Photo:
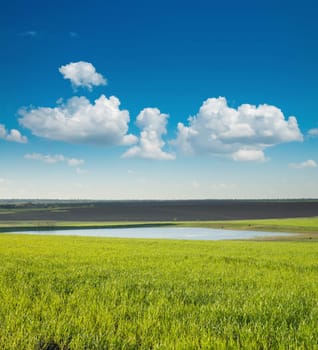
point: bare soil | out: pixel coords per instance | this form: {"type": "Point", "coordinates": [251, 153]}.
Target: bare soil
{"type": "Point", "coordinates": [186, 210]}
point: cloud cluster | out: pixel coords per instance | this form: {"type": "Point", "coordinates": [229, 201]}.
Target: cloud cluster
{"type": "Point", "coordinates": [13, 135]}
{"type": "Point", "coordinates": [153, 126]}
{"type": "Point", "coordinates": [52, 159]}
{"type": "Point", "coordinates": [306, 164]}
{"type": "Point", "coordinates": [82, 74]}
{"type": "Point", "coordinates": [79, 121]}
{"type": "Point", "coordinates": [243, 133]}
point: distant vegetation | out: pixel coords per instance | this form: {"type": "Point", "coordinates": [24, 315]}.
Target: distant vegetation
{"type": "Point", "coordinates": [90, 293]}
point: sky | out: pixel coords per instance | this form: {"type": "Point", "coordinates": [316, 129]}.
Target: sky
{"type": "Point", "coordinates": [161, 99]}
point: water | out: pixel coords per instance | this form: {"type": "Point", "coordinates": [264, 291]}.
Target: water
{"type": "Point", "coordinates": [183, 233]}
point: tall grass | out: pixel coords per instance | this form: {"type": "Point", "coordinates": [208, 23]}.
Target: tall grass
{"type": "Point", "coordinates": [92, 293]}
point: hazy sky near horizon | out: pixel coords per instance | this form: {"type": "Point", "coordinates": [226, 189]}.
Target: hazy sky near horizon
{"type": "Point", "coordinates": [158, 99]}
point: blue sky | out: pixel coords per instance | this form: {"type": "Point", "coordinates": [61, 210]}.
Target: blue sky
{"type": "Point", "coordinates": [244, 72]}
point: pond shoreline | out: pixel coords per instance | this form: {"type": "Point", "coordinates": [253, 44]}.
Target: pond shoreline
{"type": "Point", "coordinates": [303, 228]}
{"type": "Point", "coordinates": [173, 233]}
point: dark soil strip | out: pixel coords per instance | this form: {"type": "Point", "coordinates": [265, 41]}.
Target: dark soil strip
{"type": "Point", "coordinates": [187, 210]}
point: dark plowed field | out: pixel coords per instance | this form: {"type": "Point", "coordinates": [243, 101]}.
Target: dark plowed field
{"type": "Point", "coordinates": [162, 210]}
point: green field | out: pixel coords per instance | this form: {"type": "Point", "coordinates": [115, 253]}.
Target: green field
{"type": "Point", "coordinates": [95, 293]}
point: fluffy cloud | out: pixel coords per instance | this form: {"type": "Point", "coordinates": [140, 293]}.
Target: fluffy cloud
{"type": "Point", "coordinates": [243, 133]}
{"type": "Point", "coordinates": [313, 132]}
{"type": "Point", "coordinates": [249, 155]}
{"type": "Point", "coordinates": [82, 74]}
{"type": "Point", "coordinates": [153, 126]}
{"type": "Point", "coordinates": [56, 158]}
{"type": "Point", "coordinates": [79, 121]}
{"type": "Point", "coordinates": [13, 135]}
{"type": "Point", "coordinates": [306, 164]}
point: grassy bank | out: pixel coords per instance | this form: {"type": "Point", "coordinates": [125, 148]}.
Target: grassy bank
{"type": "Point", "coordinates": [306, 227]}
{"type": "Point", "coordinates": [301, 225]}
{"type": "Point", "coordinates": [90, 293]}
{"type": "Point", "coordinates": [6, 226]}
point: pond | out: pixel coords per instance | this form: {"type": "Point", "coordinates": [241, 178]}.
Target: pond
{"type": "Point", "coordinates": [184, 233]}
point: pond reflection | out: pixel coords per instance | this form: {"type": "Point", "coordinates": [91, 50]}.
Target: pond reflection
{"type": "Point", "coordinates": [183, 233]}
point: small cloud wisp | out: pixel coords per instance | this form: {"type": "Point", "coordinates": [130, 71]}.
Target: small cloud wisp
{"type": "Point", "coordinates": [56, 158]}
{"type": "Point", "coordinates": [13, 135]}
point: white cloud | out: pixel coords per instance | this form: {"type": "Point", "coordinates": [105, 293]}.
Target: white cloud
{"type": "Point", "coordinates": [306, 164]}
{"type": "Point", "coordinates": [3, 132]}
{"type": "Point", "coordinates": [13, 135]}
{"type": "Point", "coordinates": [80, 171]}
{"type": "Point", "coordinates": [222, 186]}
{"type": "Point", "coordinates": [79, 121]}
{"type": "Point", "coordinates": [29, 33]}
{"type": "Point", "coordinates": [313, 132]}
{"type": "Point", "coordinates": [153, 126]}
{"type": "Point", "coordinates": [249, 155]}
{"type": "Point", "coordinates": [74, 161]}
{"type": "Point", "coordinates": [242, 133]}
{"type": "Point", "coordinates": [82, 74]}
{"type": "Point", "coordinates": [195, 184]}
{"type": "Point", "coordinates": [52, 159]}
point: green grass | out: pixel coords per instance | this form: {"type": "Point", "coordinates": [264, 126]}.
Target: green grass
{"type": "Point", "coordinates": [20, 225]}
{"type": "Point", "coordinates": [93, 293]}
{"type": "Point", "coordinates": [290, 225]}
{"type": "Point", "coordinates": [306, 227]}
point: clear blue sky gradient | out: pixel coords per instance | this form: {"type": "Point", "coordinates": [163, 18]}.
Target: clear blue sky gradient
{"type": "Point", "coordinates": [171, 55]}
